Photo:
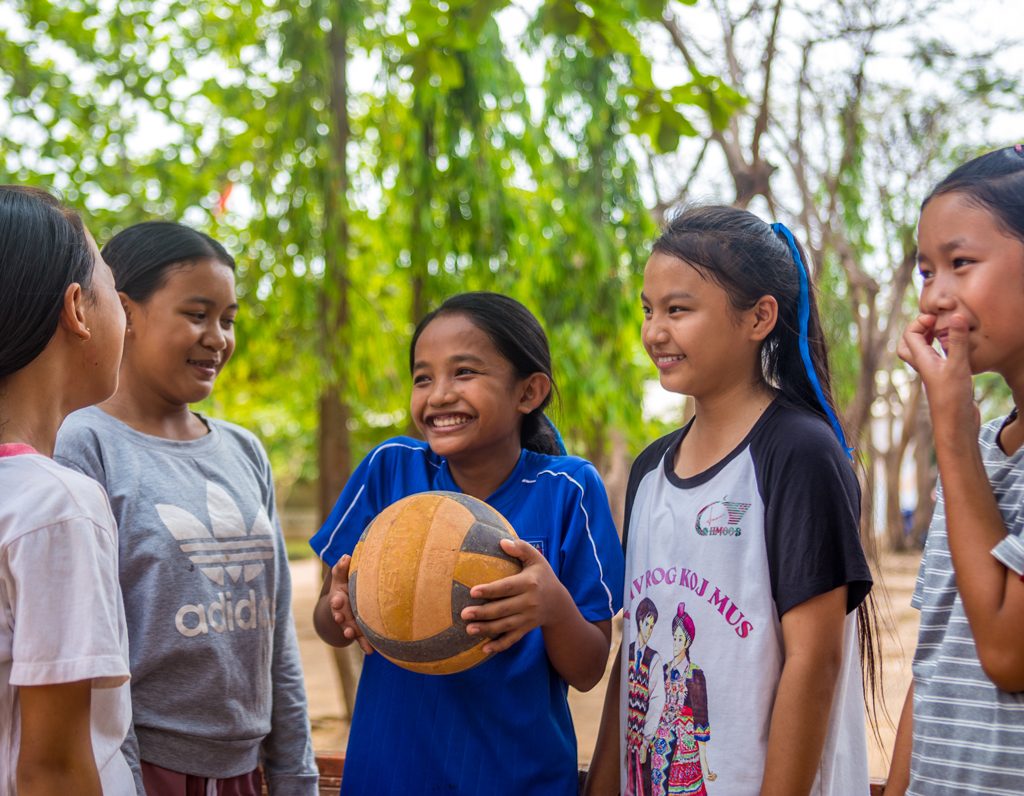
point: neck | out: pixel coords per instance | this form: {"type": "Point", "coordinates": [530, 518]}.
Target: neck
{"type": "Point", "coordinates": [720, 423]}
{"type": "Point", "coordinates": [32, 407]}
{"type": "Point", "coordinates": [480, 477]}
{"type": "Point", "coordinates": [150, 413]}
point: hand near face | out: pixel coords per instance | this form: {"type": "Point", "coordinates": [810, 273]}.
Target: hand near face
{"type": "Point", "coordinates": [516, 604]}
{"type": "Point", "coordinates": [946, 379]}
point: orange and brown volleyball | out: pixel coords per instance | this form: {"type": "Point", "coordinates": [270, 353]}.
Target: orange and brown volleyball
{"type": "Point", "coordinates": [411, 574]}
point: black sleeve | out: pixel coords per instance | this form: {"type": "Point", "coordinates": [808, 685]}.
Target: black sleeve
{"type": "Point", "coordinates": [650, 458]}
{"type": "Point", "coordinates": [812, 512]}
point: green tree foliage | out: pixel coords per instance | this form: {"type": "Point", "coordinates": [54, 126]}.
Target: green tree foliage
{"type": "Point", "coordinates": [364, 159]}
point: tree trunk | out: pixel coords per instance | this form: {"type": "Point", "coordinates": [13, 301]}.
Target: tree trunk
{"type": "Point", "coordinates": [334, 448]}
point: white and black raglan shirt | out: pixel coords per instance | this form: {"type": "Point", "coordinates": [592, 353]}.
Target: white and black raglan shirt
{"type": "Point", "coordinates": [717, 559]}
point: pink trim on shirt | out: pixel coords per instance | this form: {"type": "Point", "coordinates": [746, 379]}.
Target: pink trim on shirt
{"type": "Point", "coordinates": [15, 449]}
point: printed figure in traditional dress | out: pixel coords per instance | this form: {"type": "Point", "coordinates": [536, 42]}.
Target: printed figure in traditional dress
{"type": "Point", "coordinates": [680, 764]}
{"type": "Point", "coordinates": [645, 698]}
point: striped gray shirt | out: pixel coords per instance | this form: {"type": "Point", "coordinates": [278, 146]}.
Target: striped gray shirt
{"type": "Point", "coordinates": [968, 734]}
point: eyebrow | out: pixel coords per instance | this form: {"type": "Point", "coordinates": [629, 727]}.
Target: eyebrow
{"type": "Point", "coordinates": [681, 295]}
{"type": "Point", "coordinates": [950, 245]}
{"type": "Point", "coordinates": [455, 359]}
{"type": "Point", "coordinates": [206, 302]}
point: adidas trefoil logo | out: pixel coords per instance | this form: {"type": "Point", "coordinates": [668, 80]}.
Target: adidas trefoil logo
{"type": "Point", "coordinates": [225, 551]}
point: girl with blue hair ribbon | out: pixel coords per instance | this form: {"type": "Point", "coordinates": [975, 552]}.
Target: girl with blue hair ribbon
{"type": "Point", "coordinates": [750, 515]}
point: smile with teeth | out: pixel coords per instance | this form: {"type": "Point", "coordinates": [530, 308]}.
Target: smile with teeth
{"type": "Point", "coordinates": [664, 360]}
{"type": "Point", "coordinates": [204, 364]}
{"type": "Point", "coordinates": [449, 421]}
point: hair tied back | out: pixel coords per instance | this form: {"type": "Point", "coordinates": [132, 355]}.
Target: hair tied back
{"type": "Point", "coordinates": [804, 312]}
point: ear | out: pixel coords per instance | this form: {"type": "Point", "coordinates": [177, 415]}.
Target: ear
{"type": "Point", "coordinates": [72, 313]}
{"type": "Point", "coordinates": [126, 305]}
{"type": "Point", "coordinates": [532, 392]}
{"type": "Point", "coordinates": [762, 317]}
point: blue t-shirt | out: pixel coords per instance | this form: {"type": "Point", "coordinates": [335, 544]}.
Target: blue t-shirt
{"type": "Point", "coordinates": [502, 727]}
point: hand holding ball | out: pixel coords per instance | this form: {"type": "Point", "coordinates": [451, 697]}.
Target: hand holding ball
{"type": "Point", "coordinates": [411, 574]}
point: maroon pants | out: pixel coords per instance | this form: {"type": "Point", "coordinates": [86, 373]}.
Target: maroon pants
{"type": "Point", "coordinates": [162, 782]}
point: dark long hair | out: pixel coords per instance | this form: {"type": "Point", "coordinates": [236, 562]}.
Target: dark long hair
{"type": "Point", "coordinates": [519, 338]}
{"type": "Point", "coordinates": [143, 255]}
{"type": "Point", "coordinates": [993, 181]}
{"type": "Point", "coordinates": [742, 254]}
{"type": "Point", "coordinates": [746, 258]}
{"type": "Point", "coordinates": [43, 250]}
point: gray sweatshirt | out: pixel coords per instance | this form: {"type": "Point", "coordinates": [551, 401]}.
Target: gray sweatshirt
{"type": "Point", "coordinates": [216, 683]}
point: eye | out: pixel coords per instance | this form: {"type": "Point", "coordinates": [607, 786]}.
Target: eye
{"type": "Point", "coordinates": [647, 311]}
{"type": "Point", "coordinates": [420, 379]}
{"type": "Point", "coordinates": [675, 309]}
{"type": "Point", "coordinates": [924, 273]}
{"type": "Point", "coordinates": [227, 323]}
{"type": "Point", "coordinates": [198, 316]}
{"type": "Point", "coordinates": [465, 372]}
{"type": "Point", "coordinates": [959, 262]}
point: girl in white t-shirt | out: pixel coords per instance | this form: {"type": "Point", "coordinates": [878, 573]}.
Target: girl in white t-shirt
{"type": "Point", "coordinates": [739, 669]}
{"type": "Point", "coordinates": [64, 703]}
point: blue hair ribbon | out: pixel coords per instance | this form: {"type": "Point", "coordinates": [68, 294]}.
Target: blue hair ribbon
{"type": "Point", "coordinates": [804, 314]}
{"type": "Point", "coordinates": [558, 436]}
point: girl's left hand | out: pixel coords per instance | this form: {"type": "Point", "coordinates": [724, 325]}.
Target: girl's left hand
{"type": "Point", "coordinates": [516, 604]}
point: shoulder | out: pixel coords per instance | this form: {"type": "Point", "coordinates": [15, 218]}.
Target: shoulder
{"type": "Point", "coordinates": [568, 466]}
{"type": "Point", "coordinates": [82, 428]}
{"type": "Point", "coordinates": [238, 436]}
{"type": "Point", "coordinates": [651, 456]}
{"type": "Point", "coordinates": [796, 437]}
{"type": "Point", "coordinates": [49, 493]}
{"type": "Point", "coordinates": [399, 452]}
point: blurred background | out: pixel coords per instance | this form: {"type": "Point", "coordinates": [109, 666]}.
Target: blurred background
{"type": "Point", "coordinates": [364, 159]}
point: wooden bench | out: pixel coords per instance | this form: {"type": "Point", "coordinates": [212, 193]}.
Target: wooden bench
{"type": "Point", "coordinates": [331, 767]}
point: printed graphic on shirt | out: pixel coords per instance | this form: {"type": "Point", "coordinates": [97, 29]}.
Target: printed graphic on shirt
{"type": "Point", "coordinates": [226, 554]}
{"type": "Point", "coordinates": [667, 726]}
{"type": "Point", "coordinates": [721, 518]}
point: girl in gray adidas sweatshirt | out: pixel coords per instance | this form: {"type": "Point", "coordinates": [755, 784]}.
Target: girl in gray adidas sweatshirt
{"type": "Point", "coordinates": [217, 687]}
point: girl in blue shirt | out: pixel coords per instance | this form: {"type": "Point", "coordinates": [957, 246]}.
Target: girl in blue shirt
{"type": "Point", "coordinates": [481, 373]}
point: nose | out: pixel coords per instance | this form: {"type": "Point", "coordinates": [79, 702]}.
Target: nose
{"type": "Point", "coordinates": [442, 392]}
{"type": "Point", "coordinates": [652, 331]}
{"type": "Point", "coordinates": [938, 294]}
{"type": "Point", "coordinates": [215, 337]}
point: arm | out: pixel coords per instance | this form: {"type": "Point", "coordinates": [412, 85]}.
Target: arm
{"type": "Point", "coordinates": [992, 593]}
{"type": "Point", "coordinates": [578, 649]}
{"type": "Point", "coordinates": [812, 636]}
{"type": "Point", "coordinates": [603, 777]}
{"type": "Point", "coordinates": [899, 769]}
{"type": "Point", "coordinates": [55, 755]}
{"type": "Point", "coordinates": [287, 751]}
{"type": "Point", "coordinates": [332, 615]}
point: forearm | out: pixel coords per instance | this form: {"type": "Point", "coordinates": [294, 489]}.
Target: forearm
{"type": "Point", "coordinates": [58, 778]}
{"type": "Point", "coordinates": [603, 777]}
{"type": "Point", "coordinates": [899, 770]}
{"type": "Point", "coordinates": [975, 526]}
{"type": "Point", "coordinates": [799, 723]}
{"type": "Point", "coordinates": [578, 649]}
{"type": "Point", "coordinates": [55, 755]}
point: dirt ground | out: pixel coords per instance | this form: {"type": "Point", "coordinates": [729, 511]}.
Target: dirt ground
{"type": "Point", "coordinates": [897, 640]}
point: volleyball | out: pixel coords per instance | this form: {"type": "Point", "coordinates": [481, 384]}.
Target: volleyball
{"type": "Point", "coordinates": [411, 574]}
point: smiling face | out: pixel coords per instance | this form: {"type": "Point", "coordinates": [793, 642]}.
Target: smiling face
{"type": "Point", "coordinates": [180, 338]}
{"type": "Point", "coordinates": [972, 267]}
{"type": "Point", "coordinates": [467, 400]}
{"type": "Point", "coordinates": [692, 333]}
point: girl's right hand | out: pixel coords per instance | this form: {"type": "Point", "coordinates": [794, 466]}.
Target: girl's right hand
{"type": "Point", "coordinates": [341, 605]}
{"type": "Point", "coordinates": [946, 379]}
